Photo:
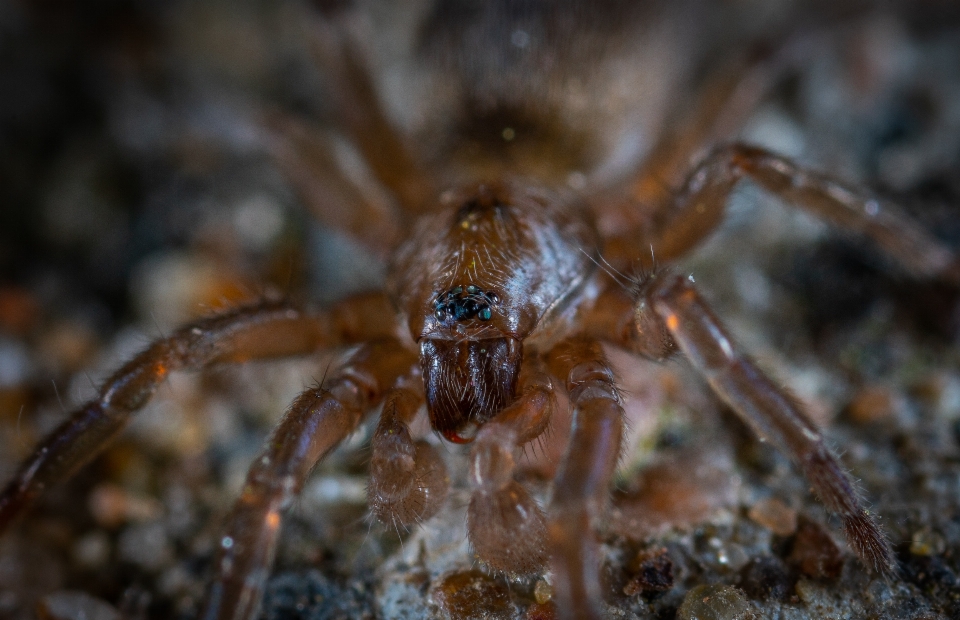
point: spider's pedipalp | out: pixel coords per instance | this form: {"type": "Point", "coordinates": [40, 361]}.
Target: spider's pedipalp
{"type": "Point", "coordinates": [408, 479]}
{"type": "Point", "coordinates": [506, 527]}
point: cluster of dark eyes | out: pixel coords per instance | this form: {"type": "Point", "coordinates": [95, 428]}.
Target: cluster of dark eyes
{"type": "Point", "coordinates": [463, 303]}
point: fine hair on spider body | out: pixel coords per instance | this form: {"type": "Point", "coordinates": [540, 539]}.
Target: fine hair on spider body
{"type": "Point", "coordinates": [502, 291]}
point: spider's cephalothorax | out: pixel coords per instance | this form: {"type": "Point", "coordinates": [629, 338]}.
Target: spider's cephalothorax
{"type": "Point", "coordinates": [484, 291]}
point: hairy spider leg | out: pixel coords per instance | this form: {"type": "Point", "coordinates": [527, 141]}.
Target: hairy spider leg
{"type": "Point", "coordinates": [769, 410]}
{"type": "Point", "coordinates": [506, 526]}
{"type": "Point", "coordinates": [620, 318]}
{"type": "Point", "coordinates": [671, 221]}
{"type": "Point", "coordinates": [408, 478]}
{"type": "Point", "coordinates": [305, 155]}
{"type": "Point", "coordinates": [581, 487]}
{"type": "Point", "coordinates": [257, 332]}
{"type": "Point", "coordinates": [363, 119]}
{"type": "Point", "coordinates": [701, 203]}
{"type": "Point", "coordinates": [317, 421]}
{"type": "Point", "coordinates": [262, 331]}
{"type": "Point", "coordinates": [720, 108]}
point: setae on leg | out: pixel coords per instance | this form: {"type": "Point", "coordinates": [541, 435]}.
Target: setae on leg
{"type": "Point", "coordinates": [582, 485]}
{"type": "Point", "coordinates": [316, 422]}
{"type": "Point", "coordinates": [256, 332]}
{"type": "Point", "coordinates": [768, 409]}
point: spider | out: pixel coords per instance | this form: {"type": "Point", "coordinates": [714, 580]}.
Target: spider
{"type": "Point", "coordinates": [497, 302]}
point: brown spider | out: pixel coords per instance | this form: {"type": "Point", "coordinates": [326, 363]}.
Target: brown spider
{"type": "Point", "coordinates": [496, 303]}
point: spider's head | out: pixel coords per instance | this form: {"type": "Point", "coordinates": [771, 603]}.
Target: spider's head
{"type": "Point", "coordinates": [493, 265]}
{"type": "Point", "coordinates": [470, 367]}
{"type": "Point", "coordinates": [468, 381]}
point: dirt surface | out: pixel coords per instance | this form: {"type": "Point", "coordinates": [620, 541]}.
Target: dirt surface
{"type": "Point", "coordinates": [135, 195]}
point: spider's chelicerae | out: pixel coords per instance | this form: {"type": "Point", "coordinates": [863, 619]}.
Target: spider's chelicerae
{"type": "Point", "coordinates": [522, 181]}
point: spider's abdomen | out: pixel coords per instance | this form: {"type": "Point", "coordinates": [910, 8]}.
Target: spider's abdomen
{"type": "Point", "coordinates": [494, 266]}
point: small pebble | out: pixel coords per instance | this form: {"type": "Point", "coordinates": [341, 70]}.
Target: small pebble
{"type": "Point", "coordinates": [735, 556]}
{"type": "Point", "coordinates": [653, 572]}
{"type": "Point", "coordinates": [715, 602]}
{"type": "Point", "coordinates": [92, 550]}
{"type": "Point", "coordinates": [766, 578]}
{"type": "Point", "coordinates": [939, 389]}
{"type": "Point", "coordinates": [774, 515]}
{"type": "Point", "coordinates": [67, 345]}
{"type": "Point", "coordinates": [69, 605]}
{"type": "Point", "coordinates": [880, 591]}
{"type": "Point", "coordinates": [809, 592]}
{"type": "Point", "coordinates": [814, 551]}
{"type": "Point", "coordinates": [472, 594]}
{"type": "Point", "coordinates": [19, 310]}
{"type": "Point", "coordinates": [675, 493]}
{"type": "Point", "coordinates": [927, 542]}
{"type": "Point", "coordinates": [542, 592]}
{"type": "Point", "coordinates": [175, 580]}
{"type": "Point", "coordinates": [146, 545]}
{"type": "Point", "coordinates": [872, 403]}
{"type": "Point", "coordinates": [930, 573]}
{"type": "Point", "coordinates": [310, 596]}
{"type": "Point", "coordinates": [112, 505]}
{"type": "Point", "coordinates": [15, 366]}
{"type": "Point", "coordinates": [541, 611]}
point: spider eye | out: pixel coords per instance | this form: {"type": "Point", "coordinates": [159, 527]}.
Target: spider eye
{"type": "Point", "coordinates": [463, 303]}
{"type": "Point", "coordinates": [465, 309]}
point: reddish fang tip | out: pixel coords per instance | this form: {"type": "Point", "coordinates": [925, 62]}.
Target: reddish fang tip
{"type": "Point", "coordinates": [453, 437]}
